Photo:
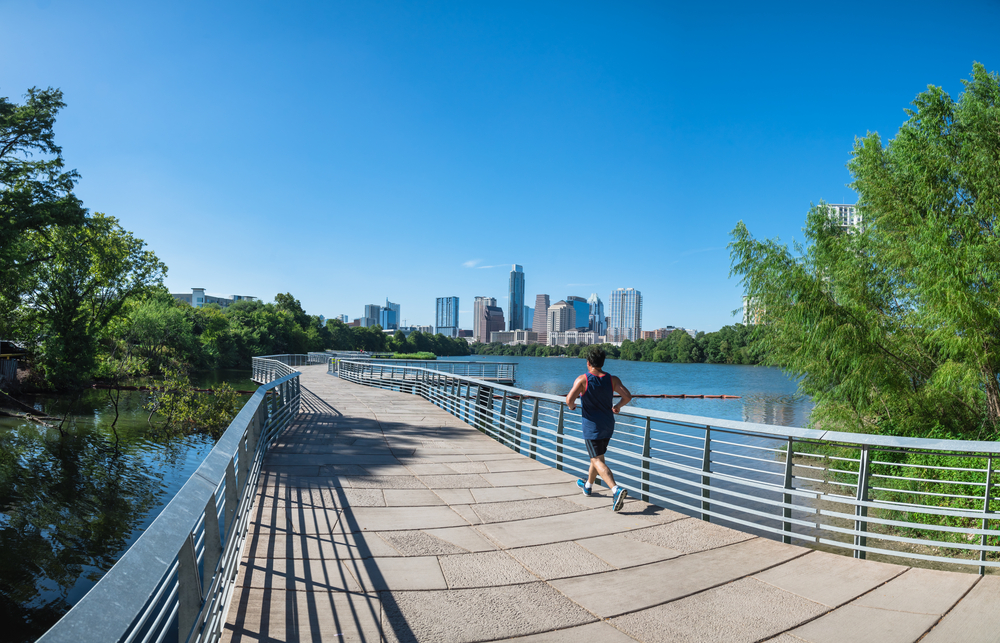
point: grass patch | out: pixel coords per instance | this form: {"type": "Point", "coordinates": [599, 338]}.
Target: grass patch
{"type": "Point", "coordinates": [420, 355]}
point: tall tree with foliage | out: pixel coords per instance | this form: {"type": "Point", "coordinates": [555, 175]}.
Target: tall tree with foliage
{"type": "Point", "coordinates": [95, 269]}
{"type": "Point", "coordinates": [36, 191]}
{"type": "Point", "coordinates": [895, 327]}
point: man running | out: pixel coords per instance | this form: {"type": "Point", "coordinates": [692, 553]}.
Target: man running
{"type": "Point", "coordinates": [596, 390]}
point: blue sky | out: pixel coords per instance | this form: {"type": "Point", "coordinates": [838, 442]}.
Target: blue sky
{"type": "Point", "coordinates": [350, 152]}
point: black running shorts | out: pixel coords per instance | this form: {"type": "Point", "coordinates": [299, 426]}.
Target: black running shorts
{"type": "Point", "coordinates": [597, 448]}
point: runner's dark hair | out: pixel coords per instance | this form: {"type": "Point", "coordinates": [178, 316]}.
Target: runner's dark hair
{"type": "Point", "coordinates": [596, 357]}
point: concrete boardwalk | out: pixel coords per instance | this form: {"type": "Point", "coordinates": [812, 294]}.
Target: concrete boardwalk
{"type": "Point", "coordinates": [381, 517]}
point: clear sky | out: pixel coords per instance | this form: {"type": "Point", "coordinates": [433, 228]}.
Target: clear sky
{"type": "Point", "coordinates": [347, 152]}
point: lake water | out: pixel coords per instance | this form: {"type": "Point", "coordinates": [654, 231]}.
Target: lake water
{"type": "Point", "coordinates": [767, 395]}
{"type": "Point", "coordinates": [71, 504]}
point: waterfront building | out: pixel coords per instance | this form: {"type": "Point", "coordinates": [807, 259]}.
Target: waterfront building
{"type": "Point", "coordinates": [446, 317]}
{"type": "Point", "coordinates": [846, 216]}
{"type": "Point", "coordinates": [373, 313]}
{"type": "Point", "coordinates": [426, 330]}
{"type": "Point", "coordinates": [753, 313]}
{"type": "Point", "coordinates": [529, 318]}
{"type": "Point", "coordinates": [566, 338]}
{"type": "Point", "coordinates": [625, 320]}
{"type": "Point", "coordinates": [465, 334]}
{"type": "Point", "coordinates": [479, 305]}
{"type": "Point", "coordinates": [540, 321]}
{"type": "Point", "coordinates": [596, 321]}
{"type": "Point", "coordinates": [389, 316]}
{"type": "Point", "coordinates": [343, 318]}
{"type": "Point", "coordinates": [514, 337]}
{"type": "Point", "coordinates": [198, 298]}
{"type": "Point", "coordinates": [493, 320]}
{"type": "Point", "coordinates": [582, 310]}
{"type": "Point", "coordinates": [561, 317]}
{"type": "Point", "coordinates": [515, 299]}
{"type": "Point", "coordinates": [659, 333]}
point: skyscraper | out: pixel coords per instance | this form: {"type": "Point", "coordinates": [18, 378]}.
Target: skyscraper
{"type": "Point", "coordinates": [561, 317]}
{"type": "Point", "coordinates": [372, 314]}
{"type": "Point", "coordinates": [625, 320]}
{"type": "Point", "coordinates": [582, 309]}
{"type": "Point", "coordinates": [446, 319]}
{"type": "Point", "coordinates": [389, 316]}
{"type": "Point", "coordinates": [479, 318]}
{"type": "Point", "coordinates": [541, 319]}
{"type": "Point", "coordinates": [493, 321]}
{"type": "Point", "coordinates": [515, 299]}
{"type": "Point", "coordinates": [596, 316]}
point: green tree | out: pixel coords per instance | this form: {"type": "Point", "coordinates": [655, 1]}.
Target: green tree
{"type": "Point", "coordinates": [36, 192]}
{"type": "Point", "coordinates": [94, 270]}
{"type": "Point", "coordinates": [895, 327]}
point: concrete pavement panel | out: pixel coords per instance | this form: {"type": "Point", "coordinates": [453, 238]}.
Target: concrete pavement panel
{"type": "Point", "coordinates": [465, 537]}
{"type": "Point", "coordinates": [502, 494]}
{"type": "Point", "coordinates": [621, 552]}
{"type": "Point", "coordinates": [455, 481]}
{"type": "Point", "coordinates": [559, 560]}
{"type": "Point", "coordinates": [488, 614]}
{"type": "Point", "coordinates": [549, 529]}
{"type": "Point", "coordinates": [410, 497]}
{"type": "Point", "coordinates": [627, 590]}
{"type": "Point", "coordinates": [401, 573]}
{"type": "Point", "coordinates": [926, 591]}
{"type": "Point", "coordinates": [976, 619]}
{"type": "Point", "coordinates": [744, 611]}
{"type": "Point", "coordinates": [527, 478]}
{"type": "Point", "coordinates": [688, 535]}
{"type": "Point", "coordinates": [281, 616]}
{"type": "Point", "coordinates": [599, 631]}
{"type": "Point", "coordinates": [420, 543]}
{"type": "Point", "coordinates": [844, 578]}
{"type": "Point", "coordinates": [865, 625]}
{"type": "Point", "coordinates": [523, 509]}
{"type": "Point", "coordinates": [399, 518]}
{"type": "Point", "coordinates": [300, 574]}
{"type": "Point", "coordinates": [484, 569]}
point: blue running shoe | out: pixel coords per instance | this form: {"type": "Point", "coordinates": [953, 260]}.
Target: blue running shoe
{"type": "Point", "coordinates": [619, 499]}
{"type": "Point", "coordinates": [583, 485]}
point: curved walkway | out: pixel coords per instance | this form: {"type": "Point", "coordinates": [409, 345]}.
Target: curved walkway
{"type": "Point", "coordinates": [383, 518]}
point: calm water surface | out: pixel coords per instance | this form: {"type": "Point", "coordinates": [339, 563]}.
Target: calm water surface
{"type": "Point", "coordinates": [72, 503]}
{"type": "Point", "coordinates": [767, 395]}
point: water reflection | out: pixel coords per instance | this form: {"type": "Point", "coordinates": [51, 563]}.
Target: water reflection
{"type": "Point", "coordinates": [72, 502]}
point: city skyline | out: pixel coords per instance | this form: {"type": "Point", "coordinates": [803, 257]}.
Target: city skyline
{"type": "Point", "coordinates": [601, 141]}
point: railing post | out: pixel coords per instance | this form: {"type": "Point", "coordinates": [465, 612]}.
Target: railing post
{"type": "Point", "coordinates": [517, 424]}
{"type": "Point", "coordinates": [502, 433]}
{"type": "Point", "coordinates": [706, 481]}
{"type": "Point", "coordinates": [647, 439]}
{"type": "Point", "coordinates": [533, 452]}
{"type": "Point", "coordinates": [986, 512]}
{"type": "Point", "coordinates": [484, 410]}
{"type": "Point", "coordinates": [231, 500]}
{"type": "Point", "coordinates": [213, 544]}
{"type": "Point", "coordinates": [860, 511]}
{"type": "Point", "coordinates": [786, 511]}
{"type": "Point", "coordinates": [188, 590]}
{"type": "Point", "coordinates": [559, 437]}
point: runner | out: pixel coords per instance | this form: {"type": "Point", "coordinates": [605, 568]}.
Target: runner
{"type": "Point", "coordinates": [596, 390]}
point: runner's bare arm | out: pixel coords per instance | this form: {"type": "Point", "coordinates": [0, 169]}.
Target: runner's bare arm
{"type": "Point", "coordinates": [578, 387]}
{"type": "Point", "coordinates": [620, 390]}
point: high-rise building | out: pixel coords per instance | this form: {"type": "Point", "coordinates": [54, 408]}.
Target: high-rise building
{"type": "Point", "coordinates": [529, 317]}
{"type": "Point", "coordinates": [492, 321]}
{"type": "Point", "coordinates": [540, 320]}
{"type": "Point", "coordinates": [582, 310]}
{"type": "Point", "coordinates": [373, 313]}
{"type": "Point", "coordinates": [389, 316]}
{"type": "Point", "coordinates": [561, 317]}
{"type": "Point", "coordinates": [515, 298]}
{"type": "Point", "coordinates": [479, 332]}
{"type": "Point", "coordinates": [596, 315]}
{"type": "Point", "coordinates": [846, 216]}
{"type": "Point", "coordinates": [446, 319]}
{"type": "Point", "coordinates": [625, 320]}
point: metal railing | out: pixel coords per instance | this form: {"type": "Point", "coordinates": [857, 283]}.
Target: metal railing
{"type": "Point", "coordinates": [921, 499]}
{"type": "Point", "coordinates": [497, 371]}
{"type": "Point", "coordinates": [176, 581]}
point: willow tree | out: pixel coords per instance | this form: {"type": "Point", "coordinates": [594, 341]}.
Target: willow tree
{"type": "Point", "coordinates": [894, 326]}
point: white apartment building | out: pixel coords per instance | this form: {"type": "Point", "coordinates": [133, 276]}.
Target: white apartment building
{"type": "Point", "coordinates": [847, 216]}
{"type": "Point", "coordinates": [514, 337]}
{"type": "Point", "coordinates": [625, 320]}
{"type": "Point", "coordinates": [198, 298]}
{"type": "Point", "coordinates": [566, 338]}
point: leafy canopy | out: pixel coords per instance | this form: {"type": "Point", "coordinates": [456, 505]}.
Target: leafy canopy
{"type": "Point", "coordinates": [895, 327]}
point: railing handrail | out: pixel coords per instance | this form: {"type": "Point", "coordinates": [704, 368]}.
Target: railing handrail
{"type": "Point", "coordinates": [157, 581]}
{"type": "Point", "coordinates": [823, 487]}
{"type": "Point", "coordinates": [923, 444]}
